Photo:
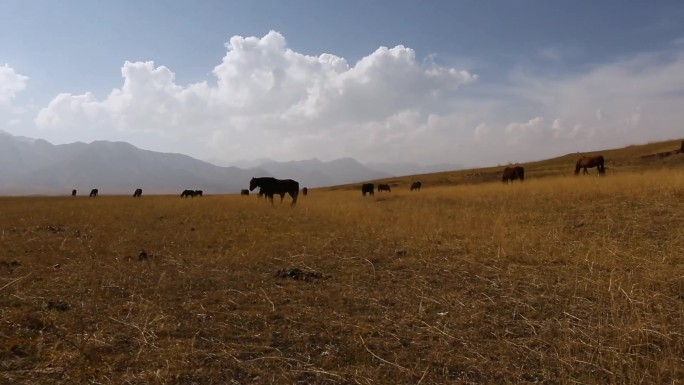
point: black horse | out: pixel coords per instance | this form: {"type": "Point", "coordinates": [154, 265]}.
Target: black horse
{"type": "Point", "coordinates": [305, 191]}
{"type": "Point", "coordinates": [73, 193]}
{"type": "Point", "coordinates": [93, 193]}
{"type": "Point", "coordinates": [271, 186]}
{"type": "Point", "coordinates": [589, 162]}
{"type": "Point", "coordinates": [384, 187]}
{"type": "Point", "coordinates": [416, 186]}
{"type": "Point", "coordinates": [188, 193]}
{"type": "Point", "coordinates": [244, 192]}
{"type": "Point", "coordinates": [368, 188]}
{"type": "Point", "coordinates": [513, 173]}
{"type": "Point", "coordinates": [137, 193]}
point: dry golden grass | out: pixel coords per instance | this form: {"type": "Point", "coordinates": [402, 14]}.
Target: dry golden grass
{"type": "Point", "coordinates": [559, 280]}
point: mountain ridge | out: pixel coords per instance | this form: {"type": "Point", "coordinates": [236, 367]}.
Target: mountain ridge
{"type": "Point", "coordinates": [31, 166]}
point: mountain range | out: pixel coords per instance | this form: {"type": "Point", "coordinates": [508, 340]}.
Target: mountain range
{"type": "Point", "coordinates": [37, 167]}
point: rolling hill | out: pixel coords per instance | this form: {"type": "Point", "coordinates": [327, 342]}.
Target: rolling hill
{"type": "Point", "coordinates": [642, 157]}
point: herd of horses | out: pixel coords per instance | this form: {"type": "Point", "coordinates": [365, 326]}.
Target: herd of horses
{"type": "Point", "coordinates": [369, 188]}
{"type": "Point", "coordinates": [269, 186]}
{"type": "Point", "coordinates": [584, 163]}
{"type": "Point", "coordinates": [190, 193]}
{"type": "Point", "coordinates": [510, 174]}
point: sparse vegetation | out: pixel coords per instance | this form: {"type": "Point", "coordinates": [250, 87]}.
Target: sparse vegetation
{"type": "Point", "coordinates": [557, 280]}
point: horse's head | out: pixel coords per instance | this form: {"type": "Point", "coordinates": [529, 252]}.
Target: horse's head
{"type": "Point", "coordinates": [253, 184]}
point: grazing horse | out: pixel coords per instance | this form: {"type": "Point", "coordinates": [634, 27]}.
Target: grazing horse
{"type": "Point", "coordinates": [137, 193]}
{"type": "Point", "coordinates": [384, 187]}
{"type": "Point", "coordinates": [513, 173]}
{"type": "Point", "coordinates": [244, 192]}
{"type": "Point", "coordinates": [305, 191]}
{"type": "Point", "coordinates": [589, 162]}
{"type": "Point", "coordinates": [188, 193]}
{"type": "Point", "coordinates": [93, 192]}
{"type": "Point", "coordinates": [368, 188]}
{"type": "Point", "coordinates": [198, 193]}
{"type": "Point", "coordinates": [416, 186]}
{"type": "Point", "coordinates": [271, 186]}
{"type": "Point", "coordinates": [73, 193]}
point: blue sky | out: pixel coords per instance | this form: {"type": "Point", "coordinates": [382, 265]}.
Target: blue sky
{"type": "Point", "coordinates": [469, 82]}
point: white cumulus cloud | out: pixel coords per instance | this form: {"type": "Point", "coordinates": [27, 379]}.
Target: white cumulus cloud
{"type": "Point", "coordinates": [268, 100]}
{"type": "Point", "coordinates": [10, 83]}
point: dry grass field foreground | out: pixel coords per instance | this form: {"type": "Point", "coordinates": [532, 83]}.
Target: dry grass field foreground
{"type": "Point", "coordinates": [561, 280]}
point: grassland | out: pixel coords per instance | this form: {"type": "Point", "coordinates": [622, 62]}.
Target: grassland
{"type": "Point", "coordinates": [558, 280]}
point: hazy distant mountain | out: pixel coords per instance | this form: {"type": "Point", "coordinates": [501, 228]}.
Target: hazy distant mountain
{"type": "Point", "coordinates": [315, 173]}
{"type": "Point", "coordinates": [37, 167]}
{"type": "Point", "coordinates": [253, 163]}
{"type": "Point", "coordinates": [400, 169]}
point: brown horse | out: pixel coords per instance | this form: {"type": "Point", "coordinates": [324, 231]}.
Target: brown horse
{"type": "Point", "coordinates": [589, 162]}
{"type": "Point", "coordinates": [513, 173]}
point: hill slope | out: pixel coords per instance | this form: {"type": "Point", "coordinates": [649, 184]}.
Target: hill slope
{"type": "Point", "coordinates": [666, 154]}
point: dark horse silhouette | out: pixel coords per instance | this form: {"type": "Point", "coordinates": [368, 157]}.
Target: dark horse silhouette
{"type": "Point", "coordinates": [137, 193]}
{"type": "Point", "coordinates": [271, 186]}
{"type": "Point", "coordinates": [73, 193]}
{"type": "Point", "coordinates": [384, 187]}
{"type": "Point", "coordinates": [589, 162]}
{"type": "Point", "coordinates": [305, 191]}
{"type": "Point", "coordinates": [416, 186]}
{"type": "Point", "coordinates": [94, 192]}
{"type": "Point", "coordinates": [513, 173]}
{"type": "Point", "coordinates": [368, 188]}
{"type": "Point", "coordinates": [188, 193]}
{"type": "Point", "coordinates": [244, 192]}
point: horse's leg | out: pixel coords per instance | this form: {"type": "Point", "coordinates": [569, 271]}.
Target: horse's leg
{"type": "Point", "coordinates": [294, 195]}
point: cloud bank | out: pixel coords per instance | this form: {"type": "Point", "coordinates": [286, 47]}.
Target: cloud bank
{"type": "Point", "coordinates": [266, 100]}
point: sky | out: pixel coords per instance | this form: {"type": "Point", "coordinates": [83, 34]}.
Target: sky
{"type": "Point", "coordinates": [467, 82]}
